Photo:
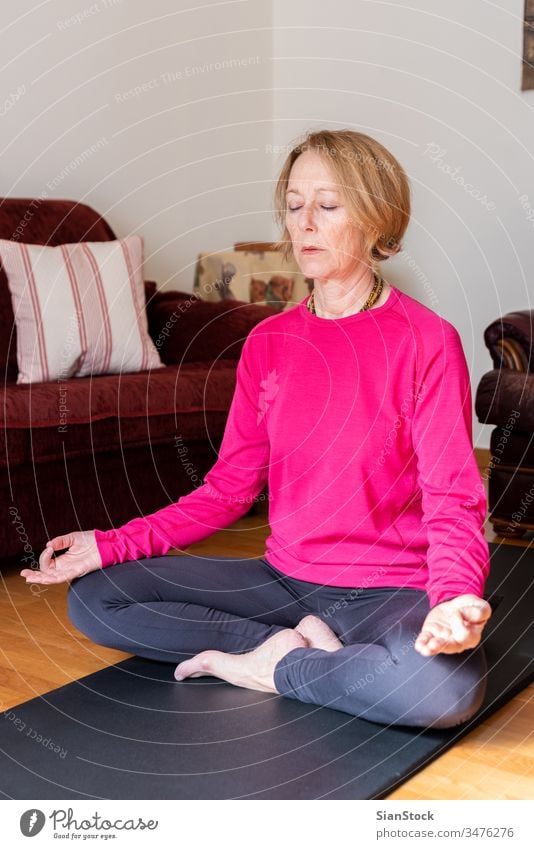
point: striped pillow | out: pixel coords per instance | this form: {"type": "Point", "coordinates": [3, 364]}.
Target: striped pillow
{"type": "Point", "coordinates": [79, 309]}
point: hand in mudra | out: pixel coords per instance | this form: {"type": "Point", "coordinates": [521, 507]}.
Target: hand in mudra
{"type": "Point", "coordinates": [82, 557]}
{"type": "Point", "coordinates": [453, 626]}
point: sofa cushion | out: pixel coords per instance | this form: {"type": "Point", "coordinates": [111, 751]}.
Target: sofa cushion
{"type": "Point", "coordinates": [40, 221]}
{"type": "Point", "coordinates": [79, 308]}
{"type": "Point", "coordinates": [85, 415]}
{"type": "Point", "coordinates": [187, 329]}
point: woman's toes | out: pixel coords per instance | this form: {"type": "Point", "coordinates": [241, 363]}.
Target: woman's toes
{"type": "Point", "coordinates": [318, 634]}
{"type": "Point", "coordinates": [283, 642]}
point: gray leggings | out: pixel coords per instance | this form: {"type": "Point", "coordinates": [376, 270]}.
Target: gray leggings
{"type": "Point", "coordinates": [170, 608]}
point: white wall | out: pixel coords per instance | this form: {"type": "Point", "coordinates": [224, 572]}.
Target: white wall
{"type": "Point", "coordinates": [181, 161]}
{"type": "Point", "coordinates": [187, 160]}
{"type": "Point", "coordinates": [414, 74]}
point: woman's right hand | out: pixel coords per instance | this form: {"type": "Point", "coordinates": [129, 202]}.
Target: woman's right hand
{"type": "Point", "coordinates": [82, 557]}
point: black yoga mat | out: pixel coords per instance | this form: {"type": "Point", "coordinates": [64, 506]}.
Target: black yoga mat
{"type": "Point", "coordinates": [131, 732]}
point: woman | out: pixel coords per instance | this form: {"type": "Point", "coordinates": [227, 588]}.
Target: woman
{"type": "Point", "coordinates": [355, 407]}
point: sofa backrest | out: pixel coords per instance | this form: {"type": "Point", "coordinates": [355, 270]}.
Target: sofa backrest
{"type": "Point", "coordinates": [39, 221]}
{"type": "Point", "coordinates": [187, 329]}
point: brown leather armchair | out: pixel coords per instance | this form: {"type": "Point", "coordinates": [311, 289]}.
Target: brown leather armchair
{"type": "Point", "coordinates": [505, 398]}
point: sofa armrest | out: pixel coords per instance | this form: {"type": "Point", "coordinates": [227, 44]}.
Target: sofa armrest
{"type": "Point", "coordinates": [504, 395]}
{"type": "Point", "coordinates": [185, 328]}
{"type": "Point", "coordinates": [510, 341]}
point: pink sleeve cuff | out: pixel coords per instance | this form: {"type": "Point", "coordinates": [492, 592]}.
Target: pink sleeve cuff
{"type": "Point", "coordinates": [437, 596]}
{"type": "Point", "coordinates": [105, 547]}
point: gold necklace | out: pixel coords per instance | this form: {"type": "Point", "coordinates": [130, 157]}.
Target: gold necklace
{"type": "Point", "coordinates": [376, 291]}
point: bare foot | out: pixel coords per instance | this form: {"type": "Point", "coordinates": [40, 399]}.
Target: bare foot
{"type": "Point", "coordinates": [253, 670]}
{"type": "Point", "coordinates": [318, 634]}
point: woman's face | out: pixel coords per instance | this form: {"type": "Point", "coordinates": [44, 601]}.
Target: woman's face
{"type": "Point", "coordinates": [316, 215]}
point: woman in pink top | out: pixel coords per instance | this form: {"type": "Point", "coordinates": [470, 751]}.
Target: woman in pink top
{"type": "Point", "coordinates": [354, 406]}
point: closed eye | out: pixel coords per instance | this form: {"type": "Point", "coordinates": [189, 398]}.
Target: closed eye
{"type": "Point", "coordinates": [294, 208]}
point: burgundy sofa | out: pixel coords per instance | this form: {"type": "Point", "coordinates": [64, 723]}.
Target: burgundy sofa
{"type": "Point", "coordinates": [133, 443]}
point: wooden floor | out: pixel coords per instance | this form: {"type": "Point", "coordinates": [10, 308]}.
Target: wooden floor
{"type": "Point", "coordinates": [41, 650]}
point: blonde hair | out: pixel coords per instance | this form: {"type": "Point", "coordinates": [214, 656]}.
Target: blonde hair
{"type": "Point", "coordinates": [374, 184]}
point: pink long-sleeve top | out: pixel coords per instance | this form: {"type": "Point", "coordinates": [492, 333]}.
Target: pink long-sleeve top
{"type": "Point", "coordinates": [362, 428]}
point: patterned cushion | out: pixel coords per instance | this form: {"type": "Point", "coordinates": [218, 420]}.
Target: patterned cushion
{"type": "Point", "coordinates": [261, 277]}
{"type": "Point", "coordinates": [79, 308]}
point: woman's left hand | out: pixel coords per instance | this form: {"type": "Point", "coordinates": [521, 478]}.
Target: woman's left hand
{"type": "Point", "coordinates": [453, 626]}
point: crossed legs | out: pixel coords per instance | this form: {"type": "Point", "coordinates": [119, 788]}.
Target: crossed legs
{"type": "Point", "coordinates": [243, 615]}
